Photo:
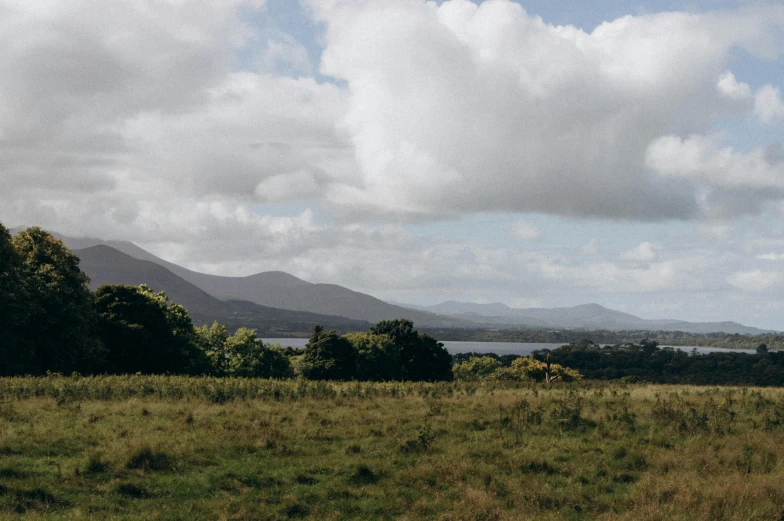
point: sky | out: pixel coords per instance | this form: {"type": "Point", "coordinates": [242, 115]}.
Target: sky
{"type": "Point", "coordinates": [534, 153]}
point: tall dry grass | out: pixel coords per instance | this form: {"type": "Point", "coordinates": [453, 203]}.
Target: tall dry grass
{"type": "Point", "coordinates": [201, 448]}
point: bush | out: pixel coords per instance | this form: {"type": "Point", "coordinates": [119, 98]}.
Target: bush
{"type": "Point", "coordinates": [476, 368]}
{"type": "Point", "coordinates": [329, 357]}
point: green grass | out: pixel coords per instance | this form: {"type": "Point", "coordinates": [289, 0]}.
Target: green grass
{"type": "Point", "coordinates": [201, 448]}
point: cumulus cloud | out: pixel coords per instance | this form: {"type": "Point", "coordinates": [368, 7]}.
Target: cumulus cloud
{"type": "Point", "coordinates": [590, 248]}
{"type": "Point", "coordinates": [737, 182]}
{"type": "Point", "coordinates": [768, 105]}
{"type": "Point", "coordinates": [458, 108]}
{"type": "Point", "coordinates": [644, 252]}
{"type": "Point", "coordinates": [731, 88]}
{"type": "Point", "coordinates": [758, 281]}
{"type": "Point", "coordinates": [770, 256]}
{"type": "Point", "coordinates": [525, 231]}
{"type": "Point", "coordinates": [439, 109]}
{"type": "Point", "coordinates": [175, 123]}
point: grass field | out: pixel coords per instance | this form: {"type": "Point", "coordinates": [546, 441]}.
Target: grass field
{"type": "Point", "coordinates": [199, 448]}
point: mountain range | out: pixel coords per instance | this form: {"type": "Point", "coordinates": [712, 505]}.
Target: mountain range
{"type": "Point", "coordinates": [277, 302]}
{"type": "Point", "coordinates": [585, 316]}
{"type": "Point", "coordinates": [107, 265]}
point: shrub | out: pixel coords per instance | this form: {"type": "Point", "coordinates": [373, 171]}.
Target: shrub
{"type": "Point", "coordinates": [476, 368]}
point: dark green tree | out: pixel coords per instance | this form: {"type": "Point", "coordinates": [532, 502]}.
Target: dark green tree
{"type": "Point", "coordinates": [247, 356]}
{"type": "Point", "coordinates": [59, 321]}
{"type": "Point", "coordinates": [15, 355]}
{"type": "Point", "coordinates": [145, 333]}
{"type": "Point", "coordinates": [422, 357]}
{"type": "Point", "coordinates": [378, 358]}
{"type": "Point", "coordinates": [212, 341]}
{"type": "Point", "coordinates": [329, 357]}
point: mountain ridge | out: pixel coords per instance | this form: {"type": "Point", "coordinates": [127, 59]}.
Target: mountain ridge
{"type": "Point", "coordinates": [106, 265]}
{"type": "Point", "coordinates": [582, 316]}
{"type": "Point", "coordinates": [281, 290]}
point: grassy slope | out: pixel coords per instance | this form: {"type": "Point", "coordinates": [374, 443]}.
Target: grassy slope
{"type": "Point", "coordinates": [179, 448]}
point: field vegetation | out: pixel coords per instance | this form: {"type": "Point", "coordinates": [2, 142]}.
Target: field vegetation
{"type": "Point", "coordinates": [175, 447]}
{"type": "Point", "coordinates": [773, 341]}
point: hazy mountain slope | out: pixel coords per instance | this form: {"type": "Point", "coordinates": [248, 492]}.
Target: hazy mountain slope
{"type": "Point", "coordinates": [277, 289]}
{"type": "Point", "coordinates": [586, 316]}
{"type": "Point", "coordinates": [452, 307]}
{"type": "Point", "coordinates": [106, 265]}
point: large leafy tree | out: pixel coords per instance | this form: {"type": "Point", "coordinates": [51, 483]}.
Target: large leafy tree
{"type": "Point", "coordinates": [15, 354]}
{"type": "Point", "coordinates": [378, 358]}
{"type": "Point", "coordinates": [247, 356]}
{"type": "Point", "coordinates": [145, 333]}
{"type": "Point", "coordinates": [58, 323]}
{"type": "Point", "coordinates": [242, 354]}
{"type": "Point", "coordinates": [212, 341]}
{"type": "Point", "coordinates": [423, 358]}
{"type": "Point", "coordinates": [328, 357]}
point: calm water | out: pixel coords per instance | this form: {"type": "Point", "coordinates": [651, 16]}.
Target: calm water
{"type": "Point", "coordinates": [499, 348]}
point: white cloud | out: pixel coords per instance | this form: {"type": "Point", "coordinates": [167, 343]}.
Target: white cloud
{"type": "Point", "coordinates": [284, 54]}
{"type": "Point", "coordinates": [756, 280]}
{"type": "Point", "coordinates": [700, 157]}
{"type": "Point", "coordinates": [173, 124]}
{"type": "Point", "coordinates": [296, 186]}
{"type": "Point", "coordinates": [770, 256]}
{"type": "Point", "coordinates": [458, 108]}
{"type": "Point", "coordinates": [525, 231]}
{"type": "Point", "coordinates": [716, 232]}
{"type": "Point", "coordinates": [644, 252]}
{"type": "Point", "coordinates": [731, 88]}
{"type": "Point", "coordinates": [590, 248]}
{"type": "Point", "coordinates": [768, 105]}
{"type": "Point", "coordinates": [442, 110]}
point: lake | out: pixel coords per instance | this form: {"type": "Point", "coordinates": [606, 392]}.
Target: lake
{"type": "Point", "coordinates": [501, 348]}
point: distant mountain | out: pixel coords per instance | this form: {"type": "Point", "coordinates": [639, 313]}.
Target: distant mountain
{"type": "Point", "coordinates": [586, 316]}
{"type": "Point", "coordinates": [106, 265]}
{"type": "Point", "coordinates": [277, 289]}
{"type": "Point", "coordinates": [452, 307]}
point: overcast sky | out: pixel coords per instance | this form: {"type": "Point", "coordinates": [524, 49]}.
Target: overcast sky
{"type": "Point", "coordinates": [534, 153]}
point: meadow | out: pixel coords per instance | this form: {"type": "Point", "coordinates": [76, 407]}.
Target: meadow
{"type": "Point", "coordinates": [166, 447]}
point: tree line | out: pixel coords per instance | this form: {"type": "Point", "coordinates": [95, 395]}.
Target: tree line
{"type": "Point", "coordinates": [648, 362]}
{"type": "Point", "coordinates": [52, 322]}
{"type": "Point", "coordinates": [564, 336]}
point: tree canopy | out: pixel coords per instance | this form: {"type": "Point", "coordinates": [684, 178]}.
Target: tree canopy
{"type": "Point", "coordinates": [57, 311]}
{"type": "Point", "coordinates": [329, 357]}
{"type": "Point", "coordinates": [145, 333]}
{"type": "Point", "coordinates": [53, 322]}
{"type": "Point", "coordinates": [422, 357]}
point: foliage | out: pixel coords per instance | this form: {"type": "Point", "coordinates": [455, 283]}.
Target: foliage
{"type": "Point", "coordinates": [13, 301]}
{"type": "Point", "coordinates": [423, 358]}
{"type": "Point", "coordinates": [247, 356]}
{"type": "Point", "coordinates": [529, 369]}
{"type": "Point", "coordinates": [670, 338]}
{"type": "Point", "coordinates": [145, 333]}
{"type": "Point", "coordinates": [212, 341]}
{"type": "Point", "coordinates": [242, 354]}
{"type": "Point", "coordinates": [525, 369]}
{"type": "Point", "coordinates": [57, 327]}
{"type": "Point", "coordinates": [648, 362]}
{"type": "Point", "coordinates": [329, 357]}
{"type": "Point", "coordinates": [476, 368]}
{"type": "Point", "coordinates": [378, 357]}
